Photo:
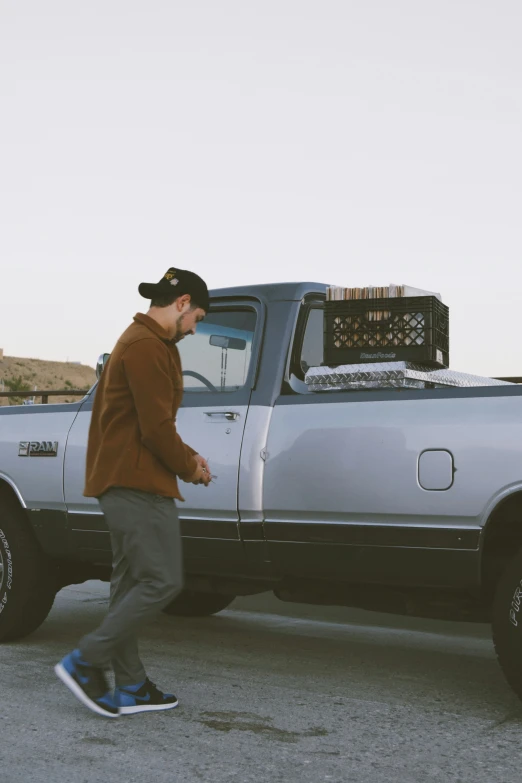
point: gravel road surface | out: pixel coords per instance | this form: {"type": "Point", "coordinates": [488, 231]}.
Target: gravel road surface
{"type": "Point", "coordinates": [268, 692]}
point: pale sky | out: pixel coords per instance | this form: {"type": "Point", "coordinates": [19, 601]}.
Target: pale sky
{"type": "Point", "coordinates": [356, 142]}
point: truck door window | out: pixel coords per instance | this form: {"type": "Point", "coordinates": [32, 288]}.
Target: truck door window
{"type": "Point", "coordinates": [217, 358]}
{"type": "Point", "coordinates": [311, 354]}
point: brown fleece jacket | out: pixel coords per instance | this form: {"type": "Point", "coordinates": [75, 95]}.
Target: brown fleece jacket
{"type": "Point", "coordinates": [132, 438]}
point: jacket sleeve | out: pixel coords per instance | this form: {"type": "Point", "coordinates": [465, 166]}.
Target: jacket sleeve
{"type": "Point", "coordinates": [147, 368]}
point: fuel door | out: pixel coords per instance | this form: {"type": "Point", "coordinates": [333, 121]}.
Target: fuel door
{"type": "Point", "coordinates": [436, 470]}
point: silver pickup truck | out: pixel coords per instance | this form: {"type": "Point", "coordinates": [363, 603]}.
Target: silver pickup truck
{"type": "Point", "coordinates": [400, 500]}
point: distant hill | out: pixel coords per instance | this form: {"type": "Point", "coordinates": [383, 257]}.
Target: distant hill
{"type": "Point", "coordinates": [31, 373]}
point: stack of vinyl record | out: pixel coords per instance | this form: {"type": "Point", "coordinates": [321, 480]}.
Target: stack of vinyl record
{"type": "Point", "coordinates": [385, 323]}
{"type": "Point", "coordinates": [336, 293]}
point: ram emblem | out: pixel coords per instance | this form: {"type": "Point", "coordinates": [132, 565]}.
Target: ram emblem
{"type": "Point", "coordinates": [38, 448]}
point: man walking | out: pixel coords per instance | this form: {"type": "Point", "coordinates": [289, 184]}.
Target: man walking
{"type": "Point", "coordinates": [134, 457]}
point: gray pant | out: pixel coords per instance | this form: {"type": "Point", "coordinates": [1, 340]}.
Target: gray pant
{"type": "Point", "coordinates": [147, 575]}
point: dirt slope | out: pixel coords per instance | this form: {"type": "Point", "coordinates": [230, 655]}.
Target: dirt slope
{"type": "Point", "coordinates": [45, 375]}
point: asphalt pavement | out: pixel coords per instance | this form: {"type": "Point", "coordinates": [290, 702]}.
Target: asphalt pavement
{"type": "Point", "coordinates": [268, 692]}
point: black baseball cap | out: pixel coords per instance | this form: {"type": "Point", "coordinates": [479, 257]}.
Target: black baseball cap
{"type": "Point", "coordinates": [179, 281]}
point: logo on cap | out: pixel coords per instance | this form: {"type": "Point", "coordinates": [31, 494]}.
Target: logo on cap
{"type": "Point", "coordinates": [171, 277]}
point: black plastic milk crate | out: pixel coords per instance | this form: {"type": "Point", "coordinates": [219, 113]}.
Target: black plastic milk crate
{"type": "Point", "coordinates": [405, 329]}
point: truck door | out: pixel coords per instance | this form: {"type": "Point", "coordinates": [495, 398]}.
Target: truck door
{"type": "Point", "coordinates": [219, 365]}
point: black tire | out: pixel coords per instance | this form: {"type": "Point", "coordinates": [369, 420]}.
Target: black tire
{"type": "Point", "coordinates": [192, 604]}
{"type": "Point", "coordinates": [27, 578]}
{"type": "Point", "coordinates": [507, 623]}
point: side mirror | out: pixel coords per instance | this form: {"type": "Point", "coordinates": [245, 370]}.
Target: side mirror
{"type": "Point", "coordinates": [234, 343]}
{"type": "Point", "coordinates": [100, 364]}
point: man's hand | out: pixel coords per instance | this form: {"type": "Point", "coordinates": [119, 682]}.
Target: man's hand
{"type": "Point", "coordinates": [201, 476]}
{"type": "Point", "coordinates": [202, 461]}
{"type": "Point", "coordinates": [206, 470]}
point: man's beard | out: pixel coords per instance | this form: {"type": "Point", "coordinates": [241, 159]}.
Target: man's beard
{"type": "Point", "coordinates": [180, 332]}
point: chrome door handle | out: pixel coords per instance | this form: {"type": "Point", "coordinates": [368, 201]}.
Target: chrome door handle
{"type": "Point", "coordinates": [228, 415]}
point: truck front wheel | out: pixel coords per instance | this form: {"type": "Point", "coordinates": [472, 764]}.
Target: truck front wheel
{"type": "Point", "coordinates": [27, 579]}
{"type": "Point", "coordinates": [507, 623]}
{"type": "Point", "coordinates": [189, 603]}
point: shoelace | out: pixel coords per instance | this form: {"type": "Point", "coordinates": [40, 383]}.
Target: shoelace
{"type": "Point", "coordinates": [153, 687]}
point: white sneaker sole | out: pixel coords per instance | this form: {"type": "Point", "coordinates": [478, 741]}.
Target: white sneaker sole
{"type": "Point", "coordinates": [147, 708]}
{"type": "Point", "coordinates": [62, 674]}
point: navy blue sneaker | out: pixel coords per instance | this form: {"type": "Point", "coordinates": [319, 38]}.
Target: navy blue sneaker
{"type": "Point", "coordinates": [143, 697]}
{"type": "Point", "coordinates": [88, 684]}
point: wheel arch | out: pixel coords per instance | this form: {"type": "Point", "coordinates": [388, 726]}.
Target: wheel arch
{"type": "Point", "coordinates": [501, 537]}
{"type": "Point", "coordinates": [8, 488]}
